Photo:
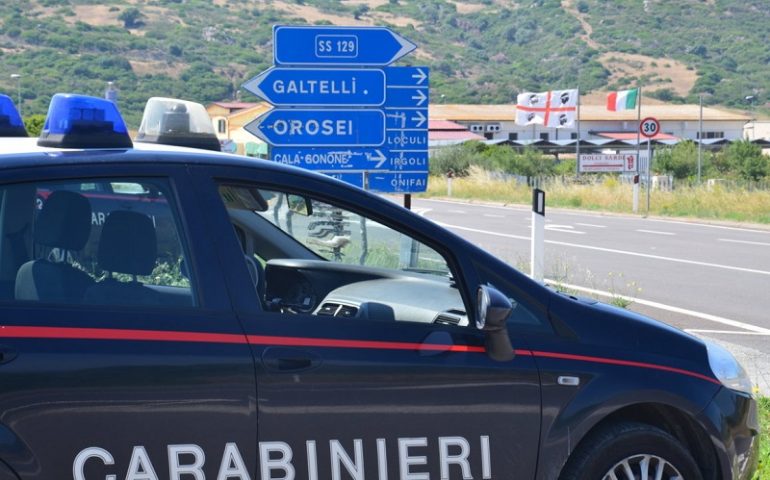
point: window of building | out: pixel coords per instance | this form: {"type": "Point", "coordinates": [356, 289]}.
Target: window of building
{"type": "Point", "coordinates": [544, 136]}
{"type": "Point", "coordinates": [222, 125]}
{"type": "Point", "coordinates": [707, 135]}
{"type": "Point", "coordinates": [573, 136]}
{"type": "Point", "coordinates": [104, 242]}
{"type": "Point", "coordinates": [489, 135]}
{"type": "Point", "coordinates": [513, 136]}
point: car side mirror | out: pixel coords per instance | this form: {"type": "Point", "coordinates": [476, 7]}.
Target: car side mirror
{"type": "Point", "coordinates": [492, 311]}
{"type": "Point", "coordinates": [299, 204]}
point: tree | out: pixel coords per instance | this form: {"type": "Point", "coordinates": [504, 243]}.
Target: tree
{"type": "Point", "coordinates": [131, 17]}
{"type": "Point", "coordinates": [360, 10]}
{"type": "Point", "coordinates": [747, 159]}
{"type": "Point", "coordinates": [681, 161]}
{"type": "Point", "coordinates": [34, 124]}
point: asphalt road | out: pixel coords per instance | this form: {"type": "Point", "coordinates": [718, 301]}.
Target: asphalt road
{"type": "Point", "coordinates": [711, 280]}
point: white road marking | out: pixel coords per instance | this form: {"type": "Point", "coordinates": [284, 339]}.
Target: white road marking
{"type": "Point", "coordinates": [564, 228]}
{"type": "Point", "coordinates": [491, 215]}
{"type": "Point", "coordinates": [723, 227]}
{"type": "Point", "coordinates": [589, 215]}
{"type": "Point", "coordinates": [670, 308]}
{"type": "Point", "coordinates": [457, 211]}
{"type": "Point", "coordinates": [655, 232]}
{"type": "Point", "coordinates": [612, 250]}
{"type": "Point", "coordinates": [591, 225]}
{"type": "Point", "coordinates": [724, 332]}
{"type": "Point", "coordinates": [743, 241]}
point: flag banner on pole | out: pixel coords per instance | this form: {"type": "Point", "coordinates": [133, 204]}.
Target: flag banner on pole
{"type": "Point", "coordinates": [623, 100]}
{"type": "Point", "coordinates": [554, 109]}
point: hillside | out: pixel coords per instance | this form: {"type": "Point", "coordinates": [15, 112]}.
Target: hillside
{"type": "Point", "coordinates": [480, 52]}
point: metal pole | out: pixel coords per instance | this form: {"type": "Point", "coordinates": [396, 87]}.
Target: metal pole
{"type": "Point", "coordinates": [577, 144]}
{"type": "Point", "coordinates": [700, 136]}
{"type": "Point", "coordinates": [649, 169]}
{"type": "Point", "coordinates": [638, 147]}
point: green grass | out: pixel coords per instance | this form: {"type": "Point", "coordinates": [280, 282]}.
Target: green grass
{"type": "Point", "coordinates": [610, 196]}
{"type": "Point", "coordinates": [763, 471]}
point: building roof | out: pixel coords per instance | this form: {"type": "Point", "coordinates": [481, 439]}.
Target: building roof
{"type": "Point", "coordinates": [507, 113]}
{"type": "Point", "coordinates": [463, 135]}
{"type": "Point", "coordinates": [234, 105]}
{"type": "Point", "coordinates": [633, 136]}
{"type": "Point", "coordinates": [434, 125]}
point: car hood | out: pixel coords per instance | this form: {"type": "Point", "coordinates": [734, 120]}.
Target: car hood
{"type": "Point", "coordinates": [625, 334]}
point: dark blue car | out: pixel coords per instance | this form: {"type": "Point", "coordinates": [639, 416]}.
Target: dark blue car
{"type": "Point", "coordinates": [172, 313]}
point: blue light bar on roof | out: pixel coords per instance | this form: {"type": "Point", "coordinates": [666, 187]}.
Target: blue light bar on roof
{"type": "Point", "coordinates": [11, 124]}
{"type": "Point", "coordinates": [80, 121]}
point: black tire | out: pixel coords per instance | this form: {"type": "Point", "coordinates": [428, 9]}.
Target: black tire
{"type": "Point", "coordinates": [610, 446]}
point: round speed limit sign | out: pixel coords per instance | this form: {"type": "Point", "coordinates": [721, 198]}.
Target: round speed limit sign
{"type": "Point", "coordinates": [649, 127]}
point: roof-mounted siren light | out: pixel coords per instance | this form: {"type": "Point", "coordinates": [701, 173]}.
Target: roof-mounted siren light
{"type": "Point", "coordinates": [80, 121]}
{"type": "Point", "coordinates": [170, 121]}
{"type": "Point", "coordinates": [11, 124]}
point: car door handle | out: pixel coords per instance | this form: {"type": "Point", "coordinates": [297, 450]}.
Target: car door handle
{"type": "Point", "coordinates": [7, 354]}
{"type": "Point", "coordinates": [289, 360]}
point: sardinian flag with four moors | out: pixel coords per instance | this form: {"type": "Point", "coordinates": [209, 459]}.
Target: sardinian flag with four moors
{"type": "Point", "coordinates": [554, 109]}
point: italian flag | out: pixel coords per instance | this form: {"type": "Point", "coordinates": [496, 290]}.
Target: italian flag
{"type": "Point", "coordinates": [623, 100]}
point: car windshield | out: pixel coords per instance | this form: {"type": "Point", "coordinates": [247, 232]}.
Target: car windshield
{"type": "Point", "coordinates": [342, 236]}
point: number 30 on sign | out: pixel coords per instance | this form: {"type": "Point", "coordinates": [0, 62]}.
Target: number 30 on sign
{"type": "Point", "coordinates": [649, 127]}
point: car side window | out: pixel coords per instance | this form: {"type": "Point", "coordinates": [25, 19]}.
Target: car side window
{"type": "Point", "coordinates": [312, 256]}
{"type": "Point", "coordinates": [92, 242]}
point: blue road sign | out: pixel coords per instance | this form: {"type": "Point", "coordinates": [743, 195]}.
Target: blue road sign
{"type": "Point", "coordinates": [407, 139]}
{"type": "Point", "coordinates": [407, 97]}
{"type": "Point", "coordinates": [319, 87]}
{"type": "Point", "coordinates": [396, 182]}
{"type": "Point", "coordinates": [322, 45]}
{"type": "Point", "coordinates": [408, 76]}
{"type": "Point", "coordinates": [352, 158]}
{"type": "Point", "coordinates": [320, 127]}
{"type": "Point", "coordinates": [406, 118]}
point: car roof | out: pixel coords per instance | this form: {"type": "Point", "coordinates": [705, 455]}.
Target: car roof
{"type": "Point", "coordinates": [21, 152]}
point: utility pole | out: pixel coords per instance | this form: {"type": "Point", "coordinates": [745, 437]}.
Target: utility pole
{"type": "Point", "coordinates": [700, 136]}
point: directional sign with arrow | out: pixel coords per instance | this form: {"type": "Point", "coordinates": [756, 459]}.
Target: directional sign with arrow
{"type": "Point", "coordinates": [322, 45]}
{"type": "Point", "coordinates": [376, 136]}
{"type": "Point", "coordinates": [407, 76]}
{"type": "Point", "coordinates": [355, 158]}
{"type": "Point", "coordinates": [320, 127]}
{"type": "Point", "coordinates": [319, 87]}
{"type": "Point", "coordinates": [407, 97]}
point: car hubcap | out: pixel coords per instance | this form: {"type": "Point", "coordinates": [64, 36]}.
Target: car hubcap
{"type": "Point", "coordinates": [643, 467]}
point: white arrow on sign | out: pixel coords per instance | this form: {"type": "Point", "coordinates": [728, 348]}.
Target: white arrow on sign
{"type": "Point", "coordinates": [420, 97]}
{"type": "Point", "coordinates": [420, 119]}
{"type": "Point", "coordinates": [420, 76]}
{"type": "Point", "coordinates": [380, 158]}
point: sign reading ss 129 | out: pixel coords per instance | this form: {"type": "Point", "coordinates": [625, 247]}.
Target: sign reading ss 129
{"type": "Point", "coordinates": [320, 45]}
{"type": "Point", "coordinates": [649, 127]}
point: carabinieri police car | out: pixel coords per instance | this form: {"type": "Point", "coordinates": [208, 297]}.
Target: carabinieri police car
{"type": "Point", "coordinates": [176, 313]}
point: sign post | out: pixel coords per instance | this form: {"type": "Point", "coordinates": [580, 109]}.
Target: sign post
{"type": "Point", "coordinates": [341, 110]}
{"type": "Point", "coordinates": [537, 246]}
{"type": "Point", "coordinates": [649, 127]}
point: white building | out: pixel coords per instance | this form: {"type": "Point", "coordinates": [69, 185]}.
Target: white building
{"type": "Point", "coordinates": [498, 122]}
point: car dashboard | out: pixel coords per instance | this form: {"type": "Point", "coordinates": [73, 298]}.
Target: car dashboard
{"type": "Point", "coordinates": [323, 288]}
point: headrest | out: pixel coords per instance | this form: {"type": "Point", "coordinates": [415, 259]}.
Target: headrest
{"type": "Point", "coordinates": [64, 221]}
{"type": "Point", "coordinates": [128, 243]}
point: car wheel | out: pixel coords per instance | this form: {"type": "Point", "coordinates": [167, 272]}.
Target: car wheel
{"type": "Point", "coordinates": [631, 451]}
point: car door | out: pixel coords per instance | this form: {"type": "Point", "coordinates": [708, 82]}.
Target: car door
{"type": "Point", "coordinates": [145, 371]}
{"type": "Point", "coordinates": [346, 395]}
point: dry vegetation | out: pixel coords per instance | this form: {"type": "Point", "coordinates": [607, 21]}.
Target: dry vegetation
{"type": "Point", "coordinates": [611, 196]}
